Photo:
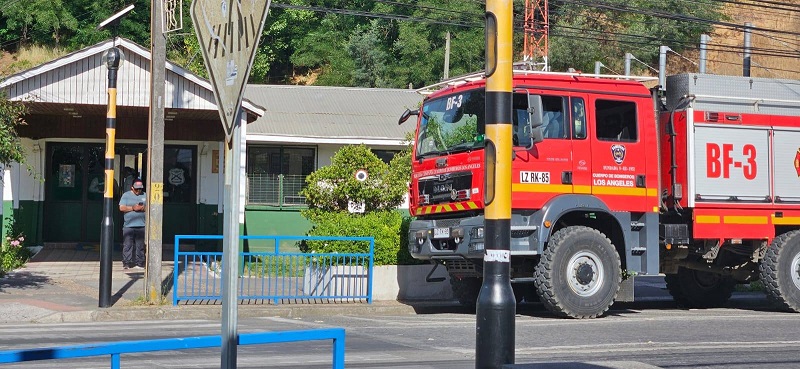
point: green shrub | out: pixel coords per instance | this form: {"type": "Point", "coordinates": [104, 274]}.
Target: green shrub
{"type": "Point", "coordinates": [384, 226]}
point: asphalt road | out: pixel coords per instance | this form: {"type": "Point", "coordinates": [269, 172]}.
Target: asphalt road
{"type": "Point", "coordinates": [634, 335]}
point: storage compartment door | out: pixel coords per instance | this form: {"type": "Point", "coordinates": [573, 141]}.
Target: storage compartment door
{"type": "Point", "coordinates": [731, 164]}
{"type": "Point", "coordinates": [787, 166]}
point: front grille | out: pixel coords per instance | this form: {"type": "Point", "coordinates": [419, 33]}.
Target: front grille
{"type": "Point", "coordinates": [446, 222]}
{"type": "Point", "coordinates": [441, 188]}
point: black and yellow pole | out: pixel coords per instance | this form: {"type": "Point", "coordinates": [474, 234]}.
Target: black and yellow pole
{"type": "Point", "coordinates": [496, 306]}
{"type": "Point", "coordinates": [112, 59]}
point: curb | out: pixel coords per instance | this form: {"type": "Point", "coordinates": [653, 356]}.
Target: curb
{"type": "Point", "coordinates": [214, 312]}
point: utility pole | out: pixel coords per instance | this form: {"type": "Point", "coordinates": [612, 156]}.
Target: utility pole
{"type": "Point", "coordinates": [447, 56]}
{"type": "Point", "coordinates": [746, 61]}
{"type": "Point", "coordinates": [496, 306]}
{"type": "Point", "coordinates": [155, 153]}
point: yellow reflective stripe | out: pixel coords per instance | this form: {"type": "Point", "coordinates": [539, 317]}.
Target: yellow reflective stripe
{"type": "Point", "coordinates": [459, 206]}
{"type": "Point", "coordinates": [622, 191]}
{"type": "Point", "coordinates": [548, 188]}
{"type": "Point", "coordinates": [785, 220]}
{"type": "Point", "coordinates": [597, 190]}
{"type": "Point", "coordinates": [707, 219]}
{"type": "Point", "coordinates": [472, 205]}
{"type": "Point", "coordinates": [744, 219]}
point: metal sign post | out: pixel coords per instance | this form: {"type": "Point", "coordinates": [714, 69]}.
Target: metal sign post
{"type": "Point", "coordinates": [228, 33]}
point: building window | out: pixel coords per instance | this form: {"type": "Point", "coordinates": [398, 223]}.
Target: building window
{"type": "Point", "coordinates": [178, 169]}
{"type": "Point", "coordinates": [385, 155]}
{"type": "Point", "coordinates": [276, 174]}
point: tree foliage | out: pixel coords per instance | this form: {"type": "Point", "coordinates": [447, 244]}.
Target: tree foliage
{"type": "Point", "coordinates": [368, 43]}
{"type": "Point", "coordinates": [11, 116]}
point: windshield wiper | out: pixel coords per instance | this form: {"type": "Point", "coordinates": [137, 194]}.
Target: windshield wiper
{"type": "Point", "coordinates": [464, 146]}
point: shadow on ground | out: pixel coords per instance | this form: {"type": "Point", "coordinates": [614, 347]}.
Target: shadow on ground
{"type": "Point", "coordinates": [23, 281]}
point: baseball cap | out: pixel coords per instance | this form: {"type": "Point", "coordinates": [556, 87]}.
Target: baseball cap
{"type": "Point", "coordinates": [137, 184]}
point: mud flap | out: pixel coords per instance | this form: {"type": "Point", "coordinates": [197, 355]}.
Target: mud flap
{"type": "Point", "coordinates": [625, 293]}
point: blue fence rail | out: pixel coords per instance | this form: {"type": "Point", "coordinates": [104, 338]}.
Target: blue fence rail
{"type": "Point", "coordinates": [115, 349]}
{"type": "Point", "coordinates": [276, 276]}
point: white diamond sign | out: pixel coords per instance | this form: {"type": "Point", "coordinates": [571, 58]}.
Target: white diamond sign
{"type": "Point", "coordinates": [228, 31]}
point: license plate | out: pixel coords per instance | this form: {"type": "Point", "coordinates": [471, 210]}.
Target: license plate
{"type": "Point", "coordinates": [441, 233]}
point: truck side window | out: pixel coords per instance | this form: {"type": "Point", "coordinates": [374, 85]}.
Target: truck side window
{"type": "Point", "coordinates": [578, 118]}
{"type": "Point", "coordinates": [616, 121]}
{"type": "Point", "coordinates": [553, 117]}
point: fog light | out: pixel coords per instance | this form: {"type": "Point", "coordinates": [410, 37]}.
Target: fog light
{"type": "Point", "coordinates": [479, 233]}
{"type": "Point", "coordinates": [421, 236]}
{"type": "Point", "coordinates": [476, 246]}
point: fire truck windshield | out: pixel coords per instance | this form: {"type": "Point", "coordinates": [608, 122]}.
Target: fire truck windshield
{"type": "Point", "coordinates": [455, 123]}
{"type": "Point", "coordinates": [451, 123]}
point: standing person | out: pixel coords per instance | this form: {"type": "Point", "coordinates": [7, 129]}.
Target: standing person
{"type": "Point", "coordinates": [132, 205]}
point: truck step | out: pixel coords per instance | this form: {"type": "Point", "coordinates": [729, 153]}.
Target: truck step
{"type": "Point", "coordinates": [638, 250]}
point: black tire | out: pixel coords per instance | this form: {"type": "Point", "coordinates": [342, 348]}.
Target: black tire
{"type": "Point", "coordinates": [780, 271]}
{"type": "Point", "coordinates": [697, 289]}
{"type": "Point", "coordinates": [579, 273]}
{"type": "Point", "coordinates": [466, 290]}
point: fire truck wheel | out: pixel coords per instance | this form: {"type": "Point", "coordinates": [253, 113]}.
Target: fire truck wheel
{"type": "Point", "coordinates": [466, 289]}
{"type": "Point", "coordinates": [579, 273]}
{"type": "Point", "coordinates": [699, 289]}
{"type": "Point", "coordinates": [780, 271]}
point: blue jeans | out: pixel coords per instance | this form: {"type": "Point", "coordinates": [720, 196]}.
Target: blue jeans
{"type": "Point", "coordinates": [132, 236]}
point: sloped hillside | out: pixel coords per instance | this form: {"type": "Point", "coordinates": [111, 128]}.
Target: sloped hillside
{"type": "Point", "coordinates": [762, 66]}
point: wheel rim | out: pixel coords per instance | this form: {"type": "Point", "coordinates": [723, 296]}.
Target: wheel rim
{"type": "Point", "coordinates": [796, 270]}
{"type": "Point", "coordinates": [585, 273]}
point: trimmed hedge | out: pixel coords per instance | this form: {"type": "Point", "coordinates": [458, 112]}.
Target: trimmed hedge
{"type": "Point", "coordinates": [390, 229]}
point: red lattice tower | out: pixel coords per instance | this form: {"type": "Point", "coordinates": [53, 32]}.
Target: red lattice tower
{"type": "Point", "coordinates": [536, 28]}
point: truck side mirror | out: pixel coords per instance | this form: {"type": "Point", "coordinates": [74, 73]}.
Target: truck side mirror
{"type": "Point", "coordinates": [407, 114]}
{"type": "Point", "coordinates": [535, 109]}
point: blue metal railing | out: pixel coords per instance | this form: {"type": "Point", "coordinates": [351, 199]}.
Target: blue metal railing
{"type": "Point", "coordinates": [276, 276]}
{"type": "Point", "coordinates": [115, 349]}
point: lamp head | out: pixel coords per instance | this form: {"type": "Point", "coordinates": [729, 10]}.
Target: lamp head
{"type": "Point", "coordinates": [112, 57]}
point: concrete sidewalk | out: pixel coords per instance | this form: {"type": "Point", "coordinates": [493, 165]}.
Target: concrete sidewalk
{"type": "Point", "coordinates": [62, 285]}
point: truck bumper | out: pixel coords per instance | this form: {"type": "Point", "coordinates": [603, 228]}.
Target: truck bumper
{"type": "Point", "coordinates": [463, 238]}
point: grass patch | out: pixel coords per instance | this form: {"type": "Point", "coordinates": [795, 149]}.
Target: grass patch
{"type": "Point", "coordinates": [755, 286]}
{"type": "Point", "coordinates": [143, 301]}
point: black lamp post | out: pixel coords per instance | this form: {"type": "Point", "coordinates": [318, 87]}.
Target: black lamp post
{"type": "Point", "coordinates": [112, 59]}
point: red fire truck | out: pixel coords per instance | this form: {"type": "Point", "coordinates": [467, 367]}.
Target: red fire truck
{"type": "Point", "coordinates": [698, 179]}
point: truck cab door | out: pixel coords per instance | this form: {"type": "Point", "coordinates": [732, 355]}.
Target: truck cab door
{"type": "Point", "coordinates": [581, 174]}
{"type": "Point", "coordinates": [537, 168]}
{"type": "Point", "coordinates": [618, 154]}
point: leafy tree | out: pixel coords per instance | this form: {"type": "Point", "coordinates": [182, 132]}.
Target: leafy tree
{"type": "Point", "coordinates": [11, 116]}
{"type": "Point", "coordinates": [369, 57]}
{"type": "Point", "coordinates": [333, 188]}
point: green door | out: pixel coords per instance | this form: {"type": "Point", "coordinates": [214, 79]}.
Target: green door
{"type": "Point", "coordinates": [74, 184]}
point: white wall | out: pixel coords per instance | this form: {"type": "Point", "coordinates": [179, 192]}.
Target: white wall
{"type": "Point", "coordinates": [208, 187]}
{"type": "Point", "coordinates": [18, 184]}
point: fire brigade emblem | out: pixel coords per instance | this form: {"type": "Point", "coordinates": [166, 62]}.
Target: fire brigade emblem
{"type": "Point", "coordinates": [797, 162]}
{"type": "Point", "coordinates": [618, 153]}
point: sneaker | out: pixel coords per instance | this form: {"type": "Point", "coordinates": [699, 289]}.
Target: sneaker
{"type": "Point", "coordinates": [138, 268]}
{"type": "Point", "coordinates": [125, 267]}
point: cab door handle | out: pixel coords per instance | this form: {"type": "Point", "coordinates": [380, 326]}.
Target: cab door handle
{"type": "Point", "coordinates": [640, 180]}
{"type": "Point", "coordinates": [566, 177]}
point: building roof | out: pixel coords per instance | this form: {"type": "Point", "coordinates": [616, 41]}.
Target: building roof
{"type": "Point", "coordinates": [338, 115]}
{"type": "Point", "coordinates": [80, 79]}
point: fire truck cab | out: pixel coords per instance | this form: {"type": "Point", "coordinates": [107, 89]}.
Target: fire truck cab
{"type": "Point", "coordinates": [611, 179]}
